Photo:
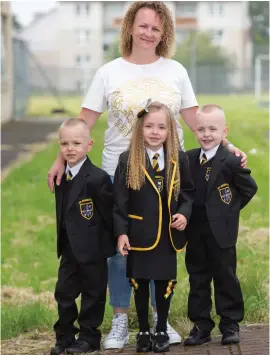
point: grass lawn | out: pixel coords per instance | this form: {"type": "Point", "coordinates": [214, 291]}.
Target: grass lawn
{"type": "Point", "coordinates": [28, 225]}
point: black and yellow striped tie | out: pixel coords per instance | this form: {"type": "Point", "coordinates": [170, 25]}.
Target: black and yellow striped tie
{"type": "Point", "coordinates": [69, 176]}
{"type": "Point", "coordinates": [155, 162]}
{"type": "Point", "coordinates": [203, 159]}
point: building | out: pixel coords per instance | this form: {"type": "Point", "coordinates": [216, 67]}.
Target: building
{"type": "Point", "coordinates": [6, 63]}
{"type": "Point", "coordinates": [71, 41]}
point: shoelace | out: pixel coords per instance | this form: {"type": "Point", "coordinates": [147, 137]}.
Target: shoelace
{"type": "Point", "coordinates": [118, 328]}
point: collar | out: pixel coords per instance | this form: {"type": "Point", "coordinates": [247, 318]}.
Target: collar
{"type": "Point", "coordinates": [210, 153]}
{"type": "Point", "coordinates": [75, 169]}
{"type": "Point", "coordinates": [151, 153]}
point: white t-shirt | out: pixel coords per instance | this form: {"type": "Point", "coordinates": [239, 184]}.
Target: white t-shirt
{"type": "Point", "coordinates": [123, 88]}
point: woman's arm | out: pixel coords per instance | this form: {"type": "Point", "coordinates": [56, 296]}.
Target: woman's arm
{"type": "Point", "coordinates": [89, 116]}
{"type": "Point", "coordinates": [189, 114]}
{"type": "Point", "coordinates": [57, 169]}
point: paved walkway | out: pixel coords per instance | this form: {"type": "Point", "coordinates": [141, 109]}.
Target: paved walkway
{"type": "Point", "coordinates": [20, 140]}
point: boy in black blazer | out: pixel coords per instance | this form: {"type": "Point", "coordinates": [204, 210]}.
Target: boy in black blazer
{"type": "Point", "coordinates": [223, 188]}
{"type": "Point", "coordinates": [84, 240]}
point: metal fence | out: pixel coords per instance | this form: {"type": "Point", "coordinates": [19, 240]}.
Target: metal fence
{"type": "Point", "coordinates": [33, 79]}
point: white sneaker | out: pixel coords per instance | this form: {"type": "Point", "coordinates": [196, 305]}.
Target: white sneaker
{"type": "Point", "coordinates": [175, 338]}
{"type": "Point", "coordinates": [118, 336]}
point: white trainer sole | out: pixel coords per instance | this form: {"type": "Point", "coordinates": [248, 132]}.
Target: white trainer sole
{"type": "Point", "coordinates": [114, 344]}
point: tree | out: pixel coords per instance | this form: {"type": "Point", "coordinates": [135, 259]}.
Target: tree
{"type": "Point", "coordinates": [113, 51]}
{"type": "Point", "coordinates": [259, 14]}
{"type": "Point", "coordinates": [198, 50]}
{"type": "Point", "coordinates": [16, 24]}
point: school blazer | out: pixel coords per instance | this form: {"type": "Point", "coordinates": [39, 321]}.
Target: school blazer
{"type": "Point", "coordinates": [88, 217]}
{"type": "Point", "coordinates": [230, 188]}
{"type": "Point", "coordinates": [139, 213]}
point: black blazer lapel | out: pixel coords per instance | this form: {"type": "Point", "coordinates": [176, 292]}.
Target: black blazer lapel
{"type": "Point", "coordinates": [193, 157]}
{"type": "Point", "coordinates": [218, 162]}
{"type": "Point", "coordinates": [79, 182]}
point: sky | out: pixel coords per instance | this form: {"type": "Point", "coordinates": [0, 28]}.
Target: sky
{"type": "Point", "coordinates": [25, 10]}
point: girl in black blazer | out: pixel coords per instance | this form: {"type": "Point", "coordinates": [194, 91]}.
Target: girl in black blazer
{"type": "Point", "coordinates": [152, 192]}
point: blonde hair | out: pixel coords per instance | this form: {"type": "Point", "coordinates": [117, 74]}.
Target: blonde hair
{"type": "Point", "coordinates": [212, 108]}
{"type": "Point", "coordinates": [74, 122]}
{"type": "Point", "coordinates": [209, 108]}
{"type": "Point", "coordinates": [166, 46]}
{"type": "Point", "coordinates": [136, 158]}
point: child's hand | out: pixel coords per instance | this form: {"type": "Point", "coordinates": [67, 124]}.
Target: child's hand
{"type": "Point", "coordinates": [123, 244]}
{"type": "Point", "coordinates": [179, 221]}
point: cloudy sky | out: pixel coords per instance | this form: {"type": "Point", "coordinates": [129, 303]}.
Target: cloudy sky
{"type": "Point", "coordinates": [24, 9]}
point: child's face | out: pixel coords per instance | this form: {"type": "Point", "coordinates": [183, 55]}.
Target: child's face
{"type": "Point", "coordinates": [210, 129]}
{"type": "Point", "coordinates": [155, 130]}
{"type": "Point", "coordinates": [74, 144]}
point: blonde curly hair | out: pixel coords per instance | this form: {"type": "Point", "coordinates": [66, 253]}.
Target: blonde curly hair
{"type": "Point", "coordinates": [166, 46]}
{"type": "Point", "coordinates": [136, 160]}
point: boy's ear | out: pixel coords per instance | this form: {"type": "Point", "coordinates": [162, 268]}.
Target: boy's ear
{"type": "Point", "coordinates": [225, 132]}
{"type": "Point", "coordinates": [90, 145]}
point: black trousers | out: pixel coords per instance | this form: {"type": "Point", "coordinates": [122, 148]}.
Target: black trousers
{"type": "Point", "coordinates": [88, 280]}
{"type": "Point", "coordinates": [141, 297]}
{"type": "Point", "coordinates": [206, 261]}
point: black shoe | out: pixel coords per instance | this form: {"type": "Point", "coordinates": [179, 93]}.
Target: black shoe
{"type": "Point", "coordinates": [198, 337]}
{"type": "Point", "coordinates": [161, 342]}
{"type": "Point", "coordinates": [144, 342]}
{"type": "Point", "coordinates": [80, 347]}
{"type": "Point", "coordinates": [60, 347]}
{"type": "Point", "coordinates": [230, 336]}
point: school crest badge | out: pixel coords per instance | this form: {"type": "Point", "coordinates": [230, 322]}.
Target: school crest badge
{"type": "Point", "coordinates": [87, 208]}
{"type": "Point", "coordinates": [225, 193]}
{"type": "Point", "coordinates": [159, 181]}
{"type": "Point", "coordinates": [207, 173]}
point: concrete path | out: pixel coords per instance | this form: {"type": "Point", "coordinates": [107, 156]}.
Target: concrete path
{"type": "Point", "coordinates": [20, 140]}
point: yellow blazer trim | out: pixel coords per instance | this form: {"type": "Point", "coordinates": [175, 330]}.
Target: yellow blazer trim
{"type": "Point", "coordinates": [169, 205]}
{"type": "Point", "coordinates": [135, 217]}
{"type": "Point", "coordinates": [159, 216]}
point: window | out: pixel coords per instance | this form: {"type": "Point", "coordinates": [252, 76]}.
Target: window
{"type": "Point", "coordinates": [82, 60]}
{"type": "Point", "coordinates": [216, 8]}
{"type": "Point", "coordinates": [87, 36]}
{"type": "Point", "coordinates": [216, 36]}
{"type": "Point", "coordinates": [78, 59]}
{"type": "Point", "coordinates": [184, 8]}
{"type": "Point", "coordinates": [87, 8]}
{"type": "Point", "coordinates": [82, 8]}
{"type": "Point", "coordinates": [82, 36]}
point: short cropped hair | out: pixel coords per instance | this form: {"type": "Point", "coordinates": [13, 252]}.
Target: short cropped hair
{"type": "Point", "coordinates": [73, 122]}
{"type": "Point", "coordinates": [209, 108]}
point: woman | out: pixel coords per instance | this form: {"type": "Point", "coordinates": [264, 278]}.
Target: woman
{"type": "Point", "coordinates": [123, 86]}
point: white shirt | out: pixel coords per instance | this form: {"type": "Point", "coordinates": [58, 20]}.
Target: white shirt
{"type": "Point", "coordinates": [75, 169]}
{"type": "Point", "coordinates": [210, 153]}
{"type": "Point", "coordinates": [160, 160]}
{"type": "Point", "coordinates": [123, 88]}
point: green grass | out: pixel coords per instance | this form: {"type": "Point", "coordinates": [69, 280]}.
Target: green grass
{"type": "Point", "coordinates": [28, 225]}
{"type": "Point", "coordinates": [19, 319]}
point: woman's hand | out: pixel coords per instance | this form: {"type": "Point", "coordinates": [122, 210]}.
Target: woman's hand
{"type": "Point", "coordinates": [123, 244]}
{"type": "Point", "coordinates": [57, 170]}
{"type": "Point", "coordinates": [179, 221]}
{"type": "Point", "coordinates": [236, 151]}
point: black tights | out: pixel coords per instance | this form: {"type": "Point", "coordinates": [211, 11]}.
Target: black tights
{"type": "Point", "coordinates": [141, 296]}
